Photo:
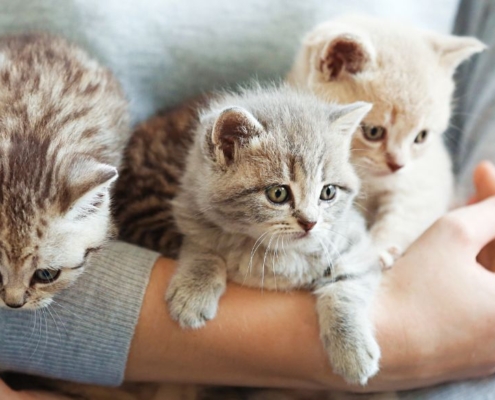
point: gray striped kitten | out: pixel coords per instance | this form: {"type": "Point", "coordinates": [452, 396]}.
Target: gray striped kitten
{"type": "Point", "coordinates": [63, 128]}
{"type": "Point", "coordinates": [266, 200]}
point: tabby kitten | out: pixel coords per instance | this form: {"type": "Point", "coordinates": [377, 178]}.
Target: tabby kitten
{"type": "Point", "coordinates": [63, 129]}
{"type": "Point", "coordinates": [399, 151]}
{"type": "Point", "coordinates": [266, 201]}
{"type": "Point", "coordinates": [154, 162]}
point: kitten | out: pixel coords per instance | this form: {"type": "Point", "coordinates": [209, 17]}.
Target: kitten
{"type": "Point", "coordinates": [266, 201]}
{"type": "Point", "coordinates": [399, 151]}
{"type": "Point", "coordinates": [154, 165]}
{"type": "Point", "coordinates": [154, 162]}
{"type": "Point", "coordinates": [63, 129]}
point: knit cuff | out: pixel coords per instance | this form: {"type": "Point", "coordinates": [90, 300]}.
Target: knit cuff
{"type": "Point", "coordinates": [85, 334]}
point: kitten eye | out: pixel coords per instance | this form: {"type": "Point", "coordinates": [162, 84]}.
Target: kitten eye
{"type": "Point", "coordinates": [45, 275]}
{"type": "Point", "coordinates": [421, 136]}
{"type": "Point", "coordinates": [278, 194]}
{"type": "Point", "coordinates": [373, 133]}
{"type": "Point", "coordinates": [328, 193]}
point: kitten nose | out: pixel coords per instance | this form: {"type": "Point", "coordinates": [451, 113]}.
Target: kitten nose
{"type": "Point", "coordinates": [306, 225]}
{"type": "Point", "coordinates": [394, 166]}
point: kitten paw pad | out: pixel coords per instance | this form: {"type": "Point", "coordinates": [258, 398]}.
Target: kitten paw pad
{"type": "Point", "coordinates": [388, 257]}
{"type": "Point", "coordinates": [191, 309]}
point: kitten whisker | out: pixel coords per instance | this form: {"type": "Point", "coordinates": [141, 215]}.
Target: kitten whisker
{"type": "Point", "coordinates": [55, 323]}
{"type": "Point", "coordinates": [60, 319]}
{"type": "Point", "coordinates": [34, 326]}
{"type": "Point", "coordinates": [361, 207]}
{"type": "Point", "coordinates": [339, 234]}
{"type": "Point", "coordinates": [283, 247]}
{"type": "Point", "coordinates": [273, 261]}
{"type": "Point", "coordinates": [46, 332]}
{"type": "Point", "coordinates": [69, 310]}
{"type": "Point", "coordinates": [38, 342]}
{"type": "Point", "coordinates": [253, 251]}
{"type": "Point", "coordinates": [327, 255]}
{"type": "Point", "coordinates": [335, 249]}
{"type": "Point", "coordinates": [201, 211]}
{"type": "Point", "coordinates": [267, 249]}
{"type": "Point", "coordinates": [363, 168]}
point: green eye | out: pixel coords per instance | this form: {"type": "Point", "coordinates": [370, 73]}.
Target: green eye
{"type": "Point", "coordinates": [373, 133]}
{"type": "Point", "coordinates": [421, 136]}
{"type": "Point", "coordinates": [46, 275]}
{"type": "Point", "coordinates": [278, 194]}
{"type": "Point", "coordinates": [328, 193]}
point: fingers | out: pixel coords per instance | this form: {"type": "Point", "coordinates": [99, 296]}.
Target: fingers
{"type": "Point", "coordinates": [474, 224]}
{"type": "Point", "coordinates": [484, 180]}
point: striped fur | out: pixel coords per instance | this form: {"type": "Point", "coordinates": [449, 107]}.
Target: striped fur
{"type": "Point", "coordinates": [63, 127]}
{"type": "Point", "coordinates": [154, 163]}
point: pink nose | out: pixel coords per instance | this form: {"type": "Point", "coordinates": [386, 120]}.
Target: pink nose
{"type": "Point", "coordinates": [306, 225]}
{"type": "Point", "coordinates": [394, 166]}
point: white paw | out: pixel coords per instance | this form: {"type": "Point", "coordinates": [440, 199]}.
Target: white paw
{"type": "Point", "coordinates": [354, 355]}
{"type": "Point", "coordinates": [192, 307]}
{"type": "Point", "coordinates": [389, 256]}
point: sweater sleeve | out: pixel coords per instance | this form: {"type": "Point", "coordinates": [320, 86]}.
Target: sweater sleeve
{"type": "Point", "coordinates": [85, 334]}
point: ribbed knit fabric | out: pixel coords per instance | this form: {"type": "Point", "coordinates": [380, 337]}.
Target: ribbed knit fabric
{"type": "Point", "coordinates": [85, 335]}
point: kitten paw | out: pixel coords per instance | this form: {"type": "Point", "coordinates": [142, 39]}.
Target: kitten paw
{"type": "Point", "coordinates": [355, 357]}
{"type": "Point", "coordinates": [389, 256]}
{"type": "Point", "coordinates": [192, 308]}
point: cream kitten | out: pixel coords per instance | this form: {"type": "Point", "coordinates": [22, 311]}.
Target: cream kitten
{"type": "Point", "coordinates": [63, 128]}
{"type": "Point", "coordinates": [399, 151]}
{"type": "Point", "coordinates": [266, 201]}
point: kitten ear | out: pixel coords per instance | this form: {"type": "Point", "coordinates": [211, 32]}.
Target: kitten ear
{"type": "Point", "coordinates": [233, 128]}
{"type": "Point", "coordinates": [453, 50]}
{"type": "Point", "coordinates": [341, 52]}
{"type": "Point", "coordinates": [88, 184]}
{"type": "Point", "coordinates": [349, 117]}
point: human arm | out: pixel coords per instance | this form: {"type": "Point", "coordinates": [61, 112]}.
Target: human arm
{"type": "Point", "coordinates": [434, 309]}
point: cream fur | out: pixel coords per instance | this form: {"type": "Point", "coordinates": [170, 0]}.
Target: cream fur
{"type": "Point", "coordinates": [407, 74]}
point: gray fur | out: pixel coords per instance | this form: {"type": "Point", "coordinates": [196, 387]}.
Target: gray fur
{"type": "Point", "coordinates": [244, 144]}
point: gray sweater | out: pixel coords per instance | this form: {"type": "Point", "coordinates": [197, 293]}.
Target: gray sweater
{"type": "Point", "coordinates": [85, 335]}
{"type": "Point", "coordinates": [164, 52]}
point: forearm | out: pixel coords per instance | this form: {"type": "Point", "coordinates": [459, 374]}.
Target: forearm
{"type": "Point", "coordinates": [273, 343]}
{"type": "Point", "coordinates": [268, 339]}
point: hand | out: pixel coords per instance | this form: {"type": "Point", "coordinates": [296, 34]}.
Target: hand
{"type": "Point", "coordinates": [434, 317]}
{"type": "Point", "coordinates": [484, 181]}
{"type": "Point", "coordinates": [439, 296]}
{"type": "Point", "coordinates": [8, 393]}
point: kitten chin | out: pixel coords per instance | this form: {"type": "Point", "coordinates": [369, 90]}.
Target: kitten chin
{"type": "Point", "coordinates": [398, 150]}
{"type": "Point", "coordinates": [64, 126]}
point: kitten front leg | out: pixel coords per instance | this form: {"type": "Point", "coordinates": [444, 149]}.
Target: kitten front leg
{"type": "Point", "coordinates": [346, 329]}
{"type": "Point", "coordinates": [196, 287]}
{"type": "Point", "coordinates": [394, 231]}
{"type": "Point", "coordinates": [402, 216]}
